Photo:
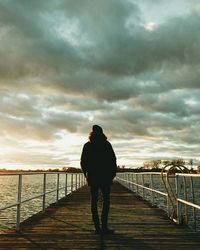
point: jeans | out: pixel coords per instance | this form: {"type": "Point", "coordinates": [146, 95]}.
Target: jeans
{"type": "Point", "coordinates": [105, 190]}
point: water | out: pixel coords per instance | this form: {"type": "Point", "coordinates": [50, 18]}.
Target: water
{"type": "Point", "coordinates": [32, 185]}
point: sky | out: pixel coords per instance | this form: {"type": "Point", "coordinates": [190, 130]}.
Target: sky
{"type": "Point", "coordinates": [130, 66]}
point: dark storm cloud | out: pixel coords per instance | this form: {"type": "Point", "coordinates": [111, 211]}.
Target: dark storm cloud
{"type": "Point", "coordinates": [31, 47]}
{"type": "Point", "coordinates": [34, 51]}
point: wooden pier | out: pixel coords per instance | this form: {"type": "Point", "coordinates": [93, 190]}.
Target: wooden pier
{"type": "Point", "coordinates": [68, 225]}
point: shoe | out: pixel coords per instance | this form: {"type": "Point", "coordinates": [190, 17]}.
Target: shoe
{"type": "Point", "coordinates": [107, 231]}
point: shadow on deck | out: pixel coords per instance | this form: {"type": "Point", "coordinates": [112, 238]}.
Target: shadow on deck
{"type": "Point", "coordinates": [68, 225]}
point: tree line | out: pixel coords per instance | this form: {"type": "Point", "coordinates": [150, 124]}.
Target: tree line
{"type": "Point", "coordinates": [158, 165]}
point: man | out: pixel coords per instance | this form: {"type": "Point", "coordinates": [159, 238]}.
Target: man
{"type": "Point", "coordinates": [98, 163]}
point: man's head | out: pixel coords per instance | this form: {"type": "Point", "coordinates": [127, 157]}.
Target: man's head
{"type": "Point", "coordinates": [97, 129]}
{"type": "Point", "coordinates": [97, 134]}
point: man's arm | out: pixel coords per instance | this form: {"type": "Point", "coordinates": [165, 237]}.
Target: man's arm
{"type": "Point", "coordinates": [84, 160]}
{"type": "Point", "coordinates": [113, 160]}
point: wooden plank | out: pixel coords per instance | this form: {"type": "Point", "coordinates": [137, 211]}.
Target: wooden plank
{"type": "Point", "coordinates": [68, 225]}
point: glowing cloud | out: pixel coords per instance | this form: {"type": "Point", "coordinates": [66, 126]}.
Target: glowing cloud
{"type": "Point", "coordinates": [150, 26]}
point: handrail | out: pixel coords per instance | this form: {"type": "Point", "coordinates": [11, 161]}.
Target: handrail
{"type": "Point", "coordinates": [188, 203]}
{"type": "Point", "coordinates": [168, 186]}
{"type": "Point", "coordinates": [126, 179]}
{"type": "Point", "coordinates": [191, 175]}
{"type": "Point", "coordinates": [75, 184]}
{"type": "Point", "coordinates": [32, 173]}
{"type": "Point", "coordinates": [181, 187]}
{"type": "Point", "coordinates": [32, 198]}
{"type": "Point", "coordinates": [131, 181]}
{"type": "Point", "coordinates": [138, 185]}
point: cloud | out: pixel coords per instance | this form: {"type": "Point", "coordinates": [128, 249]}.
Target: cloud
{"type": "Point", "coordinates": [115, 54]}
{"type": "Point", "coordinates": [66, 65]}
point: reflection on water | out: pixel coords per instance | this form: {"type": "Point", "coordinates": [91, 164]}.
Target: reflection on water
{"type": "Point", "coordinates": [32, 185]}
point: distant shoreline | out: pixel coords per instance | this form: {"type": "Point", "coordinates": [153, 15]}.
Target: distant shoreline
{"type": "Point", "coordinates": [78, 170]}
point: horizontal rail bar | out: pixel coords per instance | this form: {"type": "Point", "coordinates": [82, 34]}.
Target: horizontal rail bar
{"type": "Point", "coordinates": [9, 206]}
{"type": "Point", "coordinates": [188, 203]}
{"type": "Point", "coordinates": [188, 175]}
{"type": "Point", "coordinates": [141, 173]}
{"type": "Point", "coordinates": [46, 172]}
{"type": "Point", "coordinates": [33, 173]}
{"type": "Point", "coordinates": [150, 189]}
{"type": "Point", "coordinates": [34, 197]}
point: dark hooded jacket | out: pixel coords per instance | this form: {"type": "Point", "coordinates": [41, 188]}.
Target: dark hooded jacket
{"type": "Point", "coordinates": [98, 160]}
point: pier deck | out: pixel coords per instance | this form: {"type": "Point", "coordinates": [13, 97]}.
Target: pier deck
{"type": "Point", "coordinates": [67, 225]}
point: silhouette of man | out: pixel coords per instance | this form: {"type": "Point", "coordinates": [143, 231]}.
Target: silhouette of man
{"type": "Point", "coordinates": [98, 163]}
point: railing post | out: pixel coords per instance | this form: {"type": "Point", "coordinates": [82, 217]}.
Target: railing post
{"type": "Point", "coordinates": [193, 200]}
{"type": "Point", "coordinates": [143, 195]}
{"type": "Point", "coordinates": [66, 184]}
{"type": "Point", "coordinates": [168, 204]}
{"type": "Point", "coordinates": [76, 181]}
{"type": "Point", "coordinates": [128, 179]}
{"type": "Point", "coordinates": [19, 202]}
{"type": "Point", "coordinates": [72, 183]}
{"type": "Point", "coordinates": [152, 193]}
{"type": "Point", "coordinates": [83, 180]}
{"type": "Point", "coordinates": [44, 192]}
{"type": "Point", "coordinates": [137, 184]}
{"type": "Point", "coordinates": [58, 185]}
{"type": "Point", "coordinates": [185, 197]}
{"type": "Point", "coordinates": [177, 196]}
{"type": "Point", "coordinates": [132, 180]}
{"type": "Point", "coordinates": [79, 180]}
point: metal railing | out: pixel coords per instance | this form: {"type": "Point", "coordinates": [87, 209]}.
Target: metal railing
{"type": "Point", "coordinates": [188, 199]}
{"type": "Point", "coordinates": [138, 183]}
{"type": "Point", "coordinates": [150, 186]}
{"type": "Point", "coordinates": [76, 181]}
